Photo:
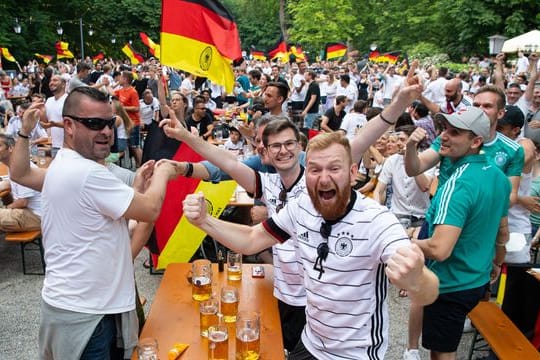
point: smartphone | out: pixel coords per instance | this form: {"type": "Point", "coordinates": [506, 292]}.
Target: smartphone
{"type": "Point", "coordinates": [257, 271]}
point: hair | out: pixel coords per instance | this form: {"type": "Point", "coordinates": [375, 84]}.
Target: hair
{"type": "Point", "coordinates": [324, 140]}
{"type": "Point", "coordinates": [83, 66]}
{"type": "Point", "coordinates": [199, 100]}
{"type": "Point", "coordinates": [312, 74]}
{"type": "Point", "coordinates": [25, 105]}
{"type": "Point", "coordinates": [407, 129]}
{"type": "Point", "coordinates": [421, 109]}
{"type": "Point", "coordinates": [256, 74]}
{"type": "Point", "coordinates": [514, 85]}
{"type": "Point", "coordinates": [147, 91]}
{"type": "Point", "coordinates": [107, 68]}
{"type": "Point", "coordinates": [501, 96]}
{"type": "Point", "coordinates": [128, 75]}
{"type": "Point", "coordinates": [346, 78]}
{"type": "Point", "coordinates": [283, 89]}
{"type": "Point", "coordinates": [8, 140]}
{"type": "Point", "coordinates": [404, 119]}
{"type": "Point", "coordinates": [303, 140]}
{"type": "Point", "coordinates": [278, 125]}
{"type": "Point", "coordinates": [74, 98]}
{"type": "Point", "coordinates": [443, 71]}
{"type": "Point", "coordinates": [121, 111]}
{"type": "Point", "coordinates": [38, 95]}
{"type": "Point", "coordinates": [372, 112]}
{"type": "Point", "coordinates": [359, 106]}
{"type": "Point", "coordinates": [340, 99]}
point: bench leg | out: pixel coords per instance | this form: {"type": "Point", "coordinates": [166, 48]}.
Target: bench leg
{"type": "Point", "coordinates": [38, 243]}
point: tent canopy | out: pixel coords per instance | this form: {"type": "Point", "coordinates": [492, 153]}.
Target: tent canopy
{"type": "Point", "coordinates": [526, 42]}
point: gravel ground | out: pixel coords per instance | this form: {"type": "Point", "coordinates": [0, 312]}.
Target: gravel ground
{"type": "Point", "coordinates": [20, 297]}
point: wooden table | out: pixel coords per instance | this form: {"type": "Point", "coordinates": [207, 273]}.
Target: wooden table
{"type": "Point", "coordinates": [174, 315]}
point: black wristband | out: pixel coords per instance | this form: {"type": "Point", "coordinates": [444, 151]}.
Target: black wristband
{"type": "Point", "coordinates": [385, 120]}
{"type": "Point", "coordinates": [23, 136]}
{"type": "Point", "coordinates": [189, 170]}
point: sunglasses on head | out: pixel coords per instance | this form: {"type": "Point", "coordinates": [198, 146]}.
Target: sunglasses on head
{"type": "Point", "coordinates": [94, 123]}
{"type": "Point", "coordinates": [283, 198]}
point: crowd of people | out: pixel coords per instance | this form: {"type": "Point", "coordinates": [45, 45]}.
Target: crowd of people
{"type": "Point", "coordinates": [362, 174]}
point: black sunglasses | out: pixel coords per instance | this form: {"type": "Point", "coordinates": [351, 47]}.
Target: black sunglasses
{"type": "Point", "coordinates": [94, 123]}
{"type": "Point", "coordinates": [283, 198]}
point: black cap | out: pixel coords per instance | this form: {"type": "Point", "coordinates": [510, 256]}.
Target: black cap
{"type": "Point", "coordinates": [512, 116]}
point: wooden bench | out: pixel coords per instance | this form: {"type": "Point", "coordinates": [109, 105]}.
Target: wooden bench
{"type": "Point", "coordinates": [26, 238]}
{"type": "Point", "coordinates": [503, 337]}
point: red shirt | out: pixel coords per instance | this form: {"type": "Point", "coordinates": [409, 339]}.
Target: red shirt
{"type": "Point", "coordinates": [128, 97]}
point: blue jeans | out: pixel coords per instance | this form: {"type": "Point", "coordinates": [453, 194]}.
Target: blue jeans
{"type": "Point", "coordinates": [309, 119]}
{"type": "Point", "coordinates": [102, 340]}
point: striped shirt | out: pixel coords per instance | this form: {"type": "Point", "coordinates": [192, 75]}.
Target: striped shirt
{"type": "Point", "coordinates": [346, 312]}
{"type": "Point", "coordinates": [288, 274]}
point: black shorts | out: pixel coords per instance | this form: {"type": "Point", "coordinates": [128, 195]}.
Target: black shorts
{"type": "Point", "coordinates": [443, 322]}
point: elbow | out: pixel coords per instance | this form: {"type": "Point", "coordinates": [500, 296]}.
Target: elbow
{"type": "Point", "coordinates": [439, 255]}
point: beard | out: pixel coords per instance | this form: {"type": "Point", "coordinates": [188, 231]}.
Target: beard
{"type": "Point", "coordinates": [339, 202]}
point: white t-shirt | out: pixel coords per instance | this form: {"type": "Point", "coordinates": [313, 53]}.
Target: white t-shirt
{"type": "Point", "coordinates": [187, 87]}
{"type": "Point", "coordinates": [297, 82]}
{"type": "Point", "coordinates": [407, 198]}
{"type": "Point", "coordinates": [147, 111]}
{"type": "Point", "coordinates": [435, 90]}
{"type": "Point", "coordinates": [22, 192]}
{"type": "Point", "coordinates": [86, 239]}
{"type": "Point", "coordinates": [288, 274]}
{"type": "Point", "coordinates": [351, 123]}
{"type": "Point", "coordinates": [54, 108]}
{"type": "Point", "coordinates": [346, 311]}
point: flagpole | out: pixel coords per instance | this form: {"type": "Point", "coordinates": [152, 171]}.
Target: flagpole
{"type": "Point", "coordinates": [82, 38]}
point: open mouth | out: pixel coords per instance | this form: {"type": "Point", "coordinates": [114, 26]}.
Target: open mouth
{"type": "Point", "coordinates": [327, 194]}
{"type": "Point", "coordinates": [102, 142]}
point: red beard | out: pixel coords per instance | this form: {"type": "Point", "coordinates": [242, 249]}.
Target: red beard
{"type": "Point", "coordinates": [336, 208]}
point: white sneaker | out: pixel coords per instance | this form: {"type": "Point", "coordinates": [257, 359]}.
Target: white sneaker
{"type": "Point", "coordinates": [467, 327]}
{"type": "Point", "coordinates": [411, 354]}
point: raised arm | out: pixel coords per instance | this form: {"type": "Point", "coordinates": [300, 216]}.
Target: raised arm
{"type": "Point", "coordinates": [19, 166]}
{"type": "Point", "coordinates": [529, 91]}
{"type": "Point", "coordinates": [240, 238]}
{"type": "Point", "coordinates": [224, 159]}
{"type": "Point", "coordinates": [415, 163]}
{"type": "Point", "coordinates": [498, 71]}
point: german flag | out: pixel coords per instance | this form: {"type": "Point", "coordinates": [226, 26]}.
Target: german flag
{"type": "Point", "coordinates": [201, 37]}
{"type": "Point", "coordinates": [279, 51]}
{"type": "Point", "coordinates": [389, 57]}
{"type": "Point", "coordinates": [335, 50]}
{"type": "Point", "coordinates": [7, 55]}
{"type": "Point", "coordinates": [298, 53]}
{"type": "Point", "coordinates": [62, 50]}
{"type": "Point", "coordinates": [374, 55]}
{"type": "Point", "coordinates": [133, 56]}
{"type": "Point", "coordinates": [97, 57]}
{"type": "Point", "coordinates": [258, 54]}
{"type": "Point", "coordinates": [46, 58]}
{"type": "Point", "coordinates": [152, 46]}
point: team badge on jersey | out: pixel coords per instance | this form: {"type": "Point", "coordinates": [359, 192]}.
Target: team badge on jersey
{"type": "Point", "coordinates": [500, 158]}
{"type": "Point", "coordinates": [344, 244]}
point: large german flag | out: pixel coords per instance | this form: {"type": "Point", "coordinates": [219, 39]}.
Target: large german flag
{"type": "Point", "coordinates": [279, 51]}
{"type": "Point", "coordinates": [200, 36]}
{"type": "Point", "coordinates": [152, 46]}
{"type": "Point", "coordinates": [335, 50]}
{"type": "Point", "coordinates": [133, 56]}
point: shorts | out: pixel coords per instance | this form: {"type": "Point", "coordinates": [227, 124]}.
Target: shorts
{"type": "Point", "coordinates": [443, 322]}
{"type": "Point", "coordinates": [135, 136]}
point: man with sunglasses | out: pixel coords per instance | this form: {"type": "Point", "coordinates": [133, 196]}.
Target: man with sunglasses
{"type": "Point", "coordinates": [281, 148]}
{"type": "Point", "coordinates": [89, 282]}
{"type": "Point", "coordinates": [467, 229]}
{"type": "Point", "coordinates": [348, 247]}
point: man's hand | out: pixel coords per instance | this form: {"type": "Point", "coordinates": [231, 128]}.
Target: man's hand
{"type": "Point", "coordinates": [143, 176]}
{"type": "Point", "coordinates": [495, 272]}
{"type": "Point", "coordinates": [404, 269]}
{"type": "Point", "coordinates": [195, 208]}
{"type": "Point", "coordinates": [258, 214]}
{"type": "Point", "coordinates": [531, 203]}
{"type": "Point", "coordinates": [418, 135]}
{"type": "Point", "coordinates": [172, 127]}
{"type": "Point", "coordinates": [170, 167]}
{"type": "Point", "coordinates": [31, 117]}
{"type": "Point", "coordinates": [500, 58]}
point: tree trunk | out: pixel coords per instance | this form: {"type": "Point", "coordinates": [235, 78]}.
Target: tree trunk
{"type": "Point", "coordinates": [282, 22]}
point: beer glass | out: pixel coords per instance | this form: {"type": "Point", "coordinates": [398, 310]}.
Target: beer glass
{"type": "Point", "coordinates": [147, 349]}
{"type": "Point", "coordinates": [208, 311]}
{"type": "Point", "coordinates": [201, 279]}
{"type": "Point", "coordinates": [229, 303]}
{"type": "Point", "coordinates": [218, 342]}
{"type": "Point", "coordinates": [234, 266]}
{"type": "Point", "coordinates": [248, 339]}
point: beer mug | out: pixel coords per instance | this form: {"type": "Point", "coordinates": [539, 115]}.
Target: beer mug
{"type": "Point", "coordinates": [218, 342]}
{"type": "Point", "coordinates": [248, 340]}
{"type": "Point", "coordinates": [208, 311]}
{"type": "Point", "coordinates": [201, 279]}
{"type": "Point", "coordinates": [147, 349]}
{"type": "Point", "coordinates": [234, 266]}
{"type": "Point", "coordinates": [229, 303]}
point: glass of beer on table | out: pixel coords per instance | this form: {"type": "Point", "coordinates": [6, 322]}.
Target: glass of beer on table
{"type": "Point", "coordinates": [234, 266]}
{"type": "Point", "coordinates": [218, 342]}
{"type": "Point", "coordinates": [248, 324]}
{"type": "Point", "coordinates": [208, 311]}
{"type": "Point", "coordinates": [201, 279]}
{"type": "Point", "coordinates": [229, 303]}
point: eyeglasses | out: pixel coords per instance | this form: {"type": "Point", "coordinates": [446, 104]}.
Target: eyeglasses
{"type": "Point", "coordinates": [289, 145]}
{"type": "Point", "coordinates": [94, 123]}
{"type": "Point", "coordinates": [283, 198]}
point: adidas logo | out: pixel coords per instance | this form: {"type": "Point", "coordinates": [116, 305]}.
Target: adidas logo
{"type": "Point", "coordinates": [304, 236]}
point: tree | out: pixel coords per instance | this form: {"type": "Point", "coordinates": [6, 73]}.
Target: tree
{"type": "Point", "coordinates": [313, 25]}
